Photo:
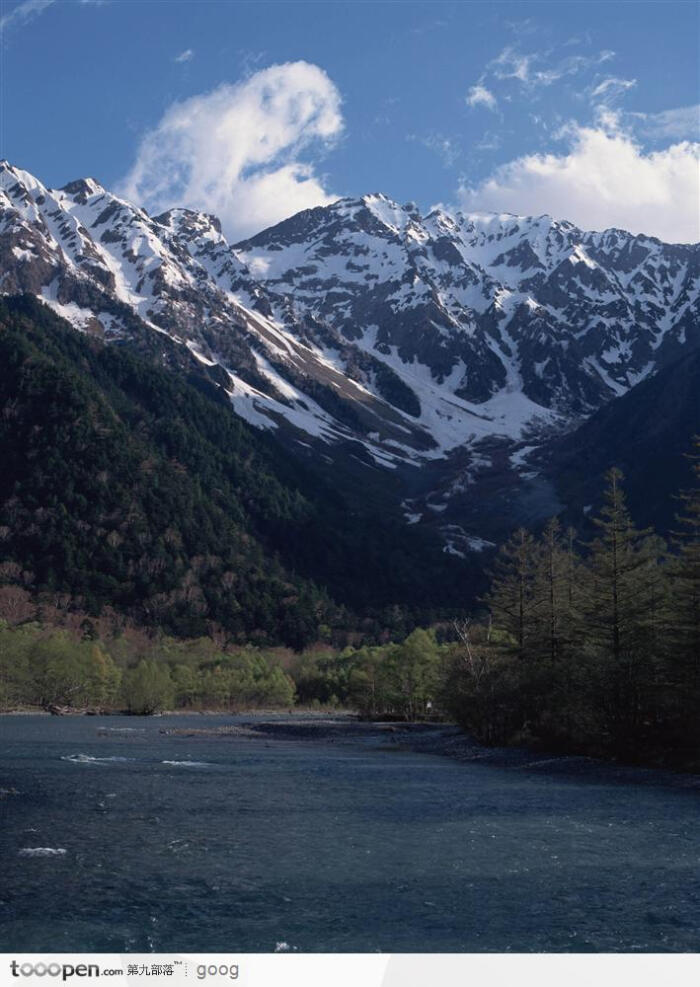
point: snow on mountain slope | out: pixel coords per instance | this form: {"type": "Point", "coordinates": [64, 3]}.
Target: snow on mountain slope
{"type": "Point", "coordinates": [409, 337]}
{"type": "Point", "coordinates": [494, 304]}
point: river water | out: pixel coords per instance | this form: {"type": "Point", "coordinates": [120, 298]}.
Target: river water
{"type": "Point", "coordinates": [241, 843]}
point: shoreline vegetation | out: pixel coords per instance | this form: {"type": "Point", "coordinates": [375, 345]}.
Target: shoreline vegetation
{"type": "Point", "coordinates": [585, 650]}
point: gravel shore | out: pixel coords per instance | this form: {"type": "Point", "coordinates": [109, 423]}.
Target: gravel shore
{"type": "Point", "coordinates": [445, 740]}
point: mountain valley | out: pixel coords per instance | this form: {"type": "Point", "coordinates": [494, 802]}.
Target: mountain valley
{"type": "Point", "coordinates": [448, 376]}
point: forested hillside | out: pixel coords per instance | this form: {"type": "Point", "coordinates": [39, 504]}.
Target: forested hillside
{"type": "Point", "coordinates": [129, 486]}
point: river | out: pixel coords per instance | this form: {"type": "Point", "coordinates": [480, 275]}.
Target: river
{"type": "Point", "coordinates": [121, 837]}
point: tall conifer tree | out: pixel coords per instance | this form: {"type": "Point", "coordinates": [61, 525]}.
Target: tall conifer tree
{"type": "Point", "coordinates": [614, 604]}
{"type": "Point", "coordinates": [684, 662]}
{"type": "Point", "coordinates": [511, 598]}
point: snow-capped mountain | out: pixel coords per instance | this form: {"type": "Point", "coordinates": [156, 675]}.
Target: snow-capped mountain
{"type": "Point", "coordinates": [404, 339]}
{"type": "Point", "coordinates": [491, 304]}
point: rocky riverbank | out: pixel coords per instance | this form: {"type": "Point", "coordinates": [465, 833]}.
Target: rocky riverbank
{"type": "Point", "coordinates": [441, 739]}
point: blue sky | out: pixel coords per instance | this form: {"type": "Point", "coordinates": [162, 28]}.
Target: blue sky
{"type": "Point", "coordinates": [253, 111]}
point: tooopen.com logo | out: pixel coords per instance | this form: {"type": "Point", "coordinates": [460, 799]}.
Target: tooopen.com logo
{"type": "Point", "coordinates": [62, 970]}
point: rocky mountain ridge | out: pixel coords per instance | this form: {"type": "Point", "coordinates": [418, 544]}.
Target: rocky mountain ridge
{"type": "Point", "coordinates": [363, 330]}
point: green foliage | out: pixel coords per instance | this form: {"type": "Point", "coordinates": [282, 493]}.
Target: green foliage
{"type": "Point", "coordinates": [17, 680]}
{"type": "Point", "coordinates": [323, 680]}
{"type": "Point", "coordinates": [242, 681]}
{"type": "Point", "coordinates": [44, 668]}
{"type": "Point", "coordinates": [40, 667]}
{"type": "Point", "coordinates": [412, 675]}
{"type": "Point", "coordinates": [148, 688]}
{"type": "Point", "coordinates": [393, 681]}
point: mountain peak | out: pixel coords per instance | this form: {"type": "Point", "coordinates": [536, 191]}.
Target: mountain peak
{"type": "Point", "coordinates": [189, 221]}
{"type": "Point", "coordinates": [383, 210]}
{"type": "Point", "coordinates": [12, 175]}
{"type": "Point", "coordinates": [83, 188]}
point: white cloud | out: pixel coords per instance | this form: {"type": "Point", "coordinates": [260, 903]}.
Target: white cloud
{"type": "Point", "coordinates": [23, 13]}
{"type": "Point", "coordinates": [479, 95]}
{"type": "Point", "coordinates": [185, 56]}
{"type": "Point", "coordinates": [532, 71]}
{"type": "Point", "coordinates": [566, 66]}
{"type": "Point", "coordinates": [611, 89]}
{"type": "Point", "coordinates": [511, 64]}
{"type": "Point", "coordinates": [605, 179]}
{"type": "Point", "coordinates": [681, 122]}
{"type": "Point", "coordinates": [490, 141]}
{"type": "Point", "coordinates": [237, 151]}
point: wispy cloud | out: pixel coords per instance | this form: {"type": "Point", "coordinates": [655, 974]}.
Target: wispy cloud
{"type": "Point", "coordinates": [250, 60]}
{"type": "Point", "coordinates": [185, 56]}
{"type": "Point", "coordinates": [243, 152]}
{"type": "Point", "coordinates": [27, 11]}
{"type": "Point", "coordinates": [490, 141]}
{"type": "Point", "coordinates": [611, 89]}
{"type": "Point", "coordinates": [578, 39]}
{"type": "Point", "coordinates": [479, 95]}
{"type": "Point", "coordinates": [679, 123]}
{"type": "Point", "coordinates": [571, 65]}
{"type": "Point", "coordinates": [512, 64]}
{"type": "Point", "coordinates": [601, 175]}
{"type": "Point", "coordinates": [534, 68]}
{"type": "Point", "coordinates": [447, 149]}
{"type": "Point", "coordinates": [23, 13]}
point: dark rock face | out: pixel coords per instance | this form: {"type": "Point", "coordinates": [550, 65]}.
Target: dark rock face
{"type": "Point", "coordinates": [647, 433]}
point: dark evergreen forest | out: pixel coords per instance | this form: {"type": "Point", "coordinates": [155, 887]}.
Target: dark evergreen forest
{"type": "Point", "coordinates": [135, 488]}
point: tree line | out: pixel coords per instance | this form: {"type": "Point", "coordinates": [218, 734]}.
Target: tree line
{"type": "Point", "coordinates": [54, 670]}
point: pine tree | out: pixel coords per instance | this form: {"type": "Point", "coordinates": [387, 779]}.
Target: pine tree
{"type": "Point", "coordinates": [553, 593]}
{"type": "Point", "coordinates": [615, 603]}
{"type": "Point", "coordinates": [511, 598]}
{"type": "Point", "coordinates": [684, 570]}
{"type": "Point", "coordinates": [515, 601]}
{"type": "Point", "coordinates": [555, 687]}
